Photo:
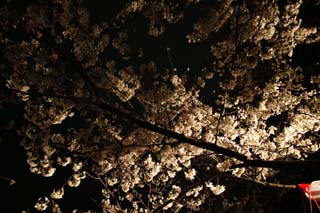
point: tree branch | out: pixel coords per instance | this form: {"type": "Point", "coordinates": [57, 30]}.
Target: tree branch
{"type": "Point", "coordinates": [276, 164]}
{"type": "Point", "coordinates": [98, 101]}
{"type": "Point", "coordinates": [187, 140]}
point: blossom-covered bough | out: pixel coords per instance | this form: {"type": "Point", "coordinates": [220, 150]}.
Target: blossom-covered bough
{"type": "Point", "coordinates": [157, 137]}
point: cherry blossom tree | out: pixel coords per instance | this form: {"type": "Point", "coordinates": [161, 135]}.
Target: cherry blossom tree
{"type": "Point", "coordinates": [159, 134]}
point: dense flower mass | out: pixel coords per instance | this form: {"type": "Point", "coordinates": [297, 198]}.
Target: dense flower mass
{"type": "Point", "coordinates": [144, 128]}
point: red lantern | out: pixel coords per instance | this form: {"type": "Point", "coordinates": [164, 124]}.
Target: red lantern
{"type": "Point", "coordinates": [312, 192]}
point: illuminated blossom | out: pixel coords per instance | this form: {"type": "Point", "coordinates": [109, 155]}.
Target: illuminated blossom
{"type": "Point", "coordinates": [99, 97]}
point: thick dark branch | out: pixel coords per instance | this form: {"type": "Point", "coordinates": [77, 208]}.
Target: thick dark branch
{"type": "Point", "coordinates": [267, 184]}
{"type": "Point", "coordinates": [280, 164]}
{"type": "Point", "coordinates": [174, 135]}
{"type": "Point", "coordinates": [187, 140]}
{"type": "Point", "coordinates": [201, 144]}
{"type": "Point", "coordinates": [146, 125]}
